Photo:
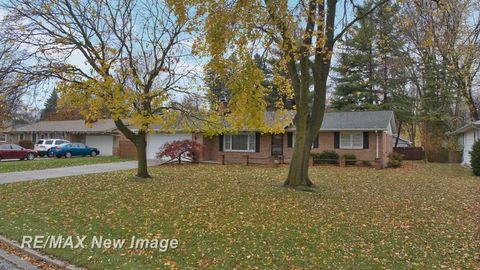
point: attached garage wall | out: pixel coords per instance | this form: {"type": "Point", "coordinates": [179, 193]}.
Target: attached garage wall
{"type": "Point", "coordinates": [156, 141]}
{"type": "Point", "coordinates": [104, 143]}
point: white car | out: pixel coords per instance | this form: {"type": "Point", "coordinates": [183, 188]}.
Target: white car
{"type": "Point", "coordinates": [42, 146]}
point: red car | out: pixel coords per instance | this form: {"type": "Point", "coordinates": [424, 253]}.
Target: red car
{"type": "Point", "coordinates": [13, 151]}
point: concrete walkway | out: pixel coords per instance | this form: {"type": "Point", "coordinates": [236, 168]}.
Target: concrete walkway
{"type": "Point", "coordinates": [68, 171]}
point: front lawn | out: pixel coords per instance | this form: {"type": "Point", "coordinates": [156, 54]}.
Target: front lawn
{"type": "Point", "coordinates": [47, 163]}
{"type": "Point", "coordinates": [239, 217]}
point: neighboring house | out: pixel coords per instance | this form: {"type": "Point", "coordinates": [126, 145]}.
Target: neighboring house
{"type": "Point", "coordinates": [4, 135]}
{"type": "Point", "coordinates": [367, 134]}
{"type": "Point", "coordinates": [467, 136]}
{"type": "Point", "coordinates": [102, 135]}
{"type": "Point", "coordinates": [402, 143]}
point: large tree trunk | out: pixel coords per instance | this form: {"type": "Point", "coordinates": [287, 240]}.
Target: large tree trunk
{"type": "Point", "coordinates": [141, 145]}
{"type": "Point", "coordinates": [298, 172]}
{"type": "Point", "coordinates": [140, 142]}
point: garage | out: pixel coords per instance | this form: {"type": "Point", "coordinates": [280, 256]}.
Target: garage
{"type": "Point", "coordinates": [156, 141]}
{"type": "Point", "coordinates": [104, 143]}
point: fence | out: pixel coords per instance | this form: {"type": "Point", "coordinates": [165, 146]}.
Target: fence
{"type": "Point", "coordinates": [410, 153]}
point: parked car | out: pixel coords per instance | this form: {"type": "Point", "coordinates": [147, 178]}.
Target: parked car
{"type": "Point", "coordinates": [43, 146]}
{"type": "Point", "coordinates": [13, 151]}
{"type": "Point", "coordinates": [74, 149]}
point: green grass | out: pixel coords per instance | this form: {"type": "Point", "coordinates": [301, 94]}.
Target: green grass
{"type": "Point", "coordinates": [240, 217]}
{"type": "Point", "coordinates": [47, 163]}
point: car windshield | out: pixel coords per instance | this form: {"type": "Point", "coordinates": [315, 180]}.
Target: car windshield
{"type": "Point", "coordinates": [40, 142]}
{"type": "Point", "coordinates": [65, 145]}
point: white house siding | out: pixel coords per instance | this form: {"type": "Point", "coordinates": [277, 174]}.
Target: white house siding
{"type": "Point", "coordinates": [468, 140]}
{"type": "Point", "coordinates": [156, 141]}
{"type": "Point", "coordinates": [104, 143]}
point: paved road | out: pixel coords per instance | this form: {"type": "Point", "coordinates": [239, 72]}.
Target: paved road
{"type": "Point", "coordinates": [68, 171]}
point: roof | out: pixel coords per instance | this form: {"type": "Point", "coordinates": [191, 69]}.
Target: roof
{"type": "Point", "coordinates": [359, 120]}
{"type": "Point", "coordinates": [400, 140]}
{"type": "Point", "coordinates": [333, 121]}
{"type": "Point", "coordinates": [473, 125]}
{"type": "Point", "coordinates": [74, 126]}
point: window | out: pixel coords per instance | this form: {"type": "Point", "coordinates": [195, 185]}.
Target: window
{"type": "Point", "coordinates": [313, 143]}
{"type": "Point", "coordinates": [239, 142]}
{"type": "Point", "coordinates": [352, 140]}
{"type": "Point", "coordinates": [3, 137]}
{"type": "Point", "coordinates": [5, 147]}
{"type": "Point", "coordinates": [21, 136]}
{"type": "Point", "coordinates": [49, 142]}
{"type": "Point", "coordinates": [16, 147]}
{"type": "Point", "coordinates": [40, 142]}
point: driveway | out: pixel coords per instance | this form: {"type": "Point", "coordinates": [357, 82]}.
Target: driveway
{"type": "Point", "coordinates": [69, 171]}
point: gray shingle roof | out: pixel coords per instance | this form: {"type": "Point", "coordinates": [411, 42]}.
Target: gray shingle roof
{"type": "Point", "coordinates": [74, 126]}
{"type": "Point", "coordinates": [364, 120]}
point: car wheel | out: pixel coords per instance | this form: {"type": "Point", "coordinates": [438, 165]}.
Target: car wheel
{"type": "Point", "coordinates": [93, 153]}
{"type": "Point", "coordinates": [30, 156]}
{"type": "Point", "coordinates": [68, 155]}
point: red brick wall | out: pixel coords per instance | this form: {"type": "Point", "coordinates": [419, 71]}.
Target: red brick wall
{"type": "Point", "coordinates": [125, 147]}
{"type": "Point", "coordinates": [326, 142]}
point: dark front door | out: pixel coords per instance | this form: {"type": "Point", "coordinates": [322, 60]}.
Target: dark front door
{"type": "Point", "coordinates": [277, 144]}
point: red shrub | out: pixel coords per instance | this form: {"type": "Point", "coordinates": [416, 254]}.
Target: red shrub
{"type": "Point", "coordinates": [189, 150]}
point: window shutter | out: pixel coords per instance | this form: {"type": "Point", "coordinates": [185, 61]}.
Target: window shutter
{"type": "Point", "coordinates": [336, 140]}
{"type": "Point", "coordinates": [365, 140]}
{"type": "Point", "coordinates": [289, 139]}
{"type": "Point", "coordinates": [220, 143]}
{"type": "Point", "coordinates": [257, 142]}
{"type": "Point", "coordinates": [315, 142]}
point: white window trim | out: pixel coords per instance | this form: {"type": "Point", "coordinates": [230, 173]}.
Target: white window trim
{"type": "Point", "coordinates": [3, 138]}
{"type": "Point", "coordinates": [313, 143]}
{"type": "Point", "coordinates": [351, 140]}
{"type": "Point", "coordinates": [226, 149]}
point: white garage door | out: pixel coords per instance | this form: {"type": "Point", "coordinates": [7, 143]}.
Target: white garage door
{"type": "Point", "coordinates": [156, 141]}
{"type": "Point", "coordinates": [103, 143]}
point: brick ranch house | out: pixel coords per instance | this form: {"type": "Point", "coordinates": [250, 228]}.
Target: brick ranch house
{"type": "Point", "coordinates": [367, 134]}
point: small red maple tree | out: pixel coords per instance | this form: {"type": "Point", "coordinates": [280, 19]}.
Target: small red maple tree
{"type": "Point", "coordinates": [186, 150]}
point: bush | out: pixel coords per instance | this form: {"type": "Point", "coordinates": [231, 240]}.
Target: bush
{"type": "Point", "coordinates": [188, 150]}
{"type": "Point", "coordinates": [26, 144]}
{"type": "Point", "coordinates": [475, 158]}
{"type": "Point", "coordinates": [325, 157]}
{"type": "Point", "coordinates": [395, 160]}
{"type": "Point", "coordinates": [350, 159]}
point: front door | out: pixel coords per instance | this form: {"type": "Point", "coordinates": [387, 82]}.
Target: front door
{"type": "Point", "coordinates": [277, 144]}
